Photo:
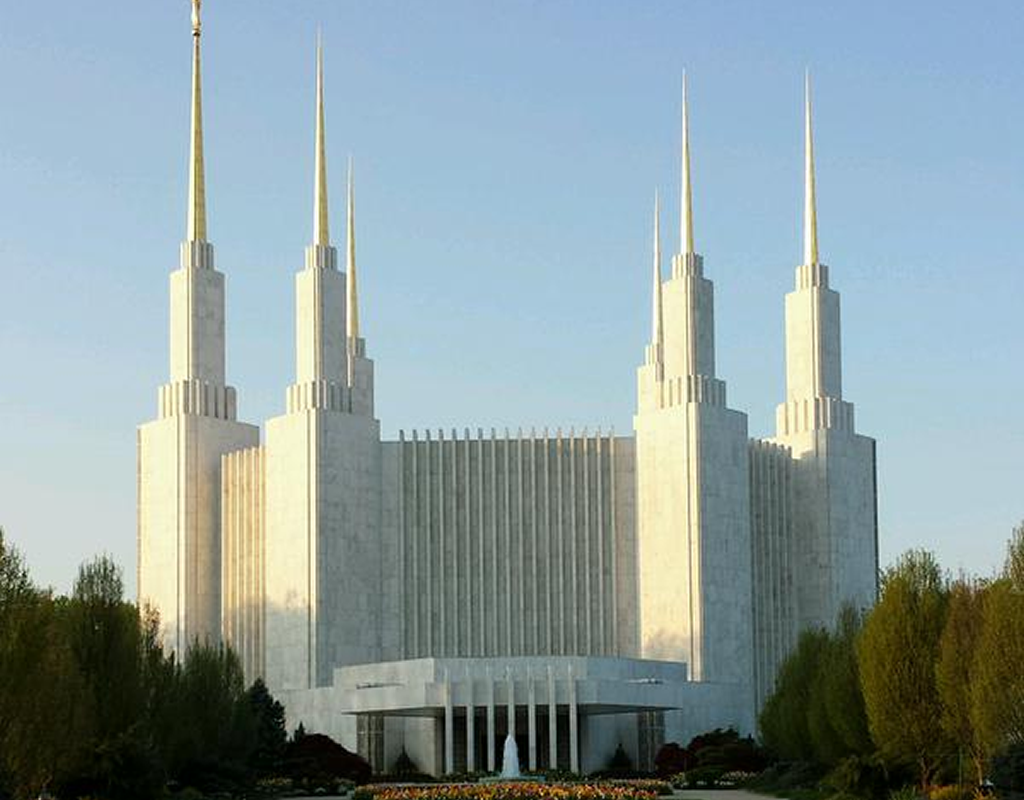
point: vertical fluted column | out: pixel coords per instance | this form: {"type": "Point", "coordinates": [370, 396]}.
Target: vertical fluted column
{"type": "Point", "coordinates": [470, 729]}
{"type": "Point", "coordinates": [531, 717]}
{"type": "Point", "coordinates": [449, 725]}
{"type": "Point", "coordinates": [552, 720]}
{"type": "Point", "coordinates": [490, 720]}
{"type": "Point", "coordinates": [574, 752]}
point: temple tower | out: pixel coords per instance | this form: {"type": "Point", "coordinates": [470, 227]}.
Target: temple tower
{"type": "Point", "coordinates": [693, 521]}
{"type": "Point", "coordinates": [323, 523]}
{"type": "Point", "coordinates": [179, 454]}
{"type": "Point", "coordinates": [835, 523]}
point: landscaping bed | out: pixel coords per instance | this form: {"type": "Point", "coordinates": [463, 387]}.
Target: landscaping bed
{"type": "Point", "coordinates": [518, 790]}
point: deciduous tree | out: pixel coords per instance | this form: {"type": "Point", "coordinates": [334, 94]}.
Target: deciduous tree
{"type": "Point", "coordinates": [998, 677]}
{"type": "Point", "coordinates": [897, 653]}
{"type": "Point", "coordinates": [954, 672]}
{"type": "Point", "coordinates": [784, 720]}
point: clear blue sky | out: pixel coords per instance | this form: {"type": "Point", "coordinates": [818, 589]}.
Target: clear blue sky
{"type": "Point", "coordinates": [506, 157]}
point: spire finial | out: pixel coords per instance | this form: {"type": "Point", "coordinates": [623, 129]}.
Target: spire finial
{"type": "Point", "coordinates": [686, 198]}
{"type": "Point", "coordinates": [657, 315]}
{"type": "Point", "coordinates": [321, 229]}
{"type": "Point", "coordinates": [352, 319]}
{"type": "Point", "coordinates": [196, 222]}
{"type": "Point", "coordinates": [810, 204]}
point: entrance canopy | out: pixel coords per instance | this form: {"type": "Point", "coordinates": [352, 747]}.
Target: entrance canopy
{"type": "Point", "coordinates": [591, 685]}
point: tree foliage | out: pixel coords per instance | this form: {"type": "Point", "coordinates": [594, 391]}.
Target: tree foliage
{"type": "Point", "coordinates": [784, 721]}
{"type": "Point", "coordinates": [271, 734]}
{"type": "Point", "coordinates": [315, 757]}
{"type": "Point", "coordinates": [1013, 568]}
{"type": "Point", "coordinates": [954, 672]}
{"type": "Point", "coordinates": [92, 706]}
{"type": "Point", "coordinates": [997, 688]}
{"type": "Point", "coordinates": [817, 710]}
{"type": "Point", "coordinates": [837, 701]}
{"type": "Point", "coordinates": [897, 654]}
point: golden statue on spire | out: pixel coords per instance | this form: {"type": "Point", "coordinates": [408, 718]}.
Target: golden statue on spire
{"type": "Point", "coordinates": [197, 26]}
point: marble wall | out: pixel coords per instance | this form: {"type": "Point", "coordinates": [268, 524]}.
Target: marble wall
{"type": "Point", "coordinates": [513, 545]}
{"type": "Point", "coordinates": [243, 557]}
{"type": "Point", "coordinates": [773, 559]}
{"type": "Point", "coordinates": [323, 545]}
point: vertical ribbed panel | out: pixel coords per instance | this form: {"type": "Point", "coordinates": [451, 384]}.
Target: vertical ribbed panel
{"type": "Point", "coordinates": [242, 562]}
{"type": "Point", "coordinates": [775, 617]}
{"type": "Point", "coordinates": [198, 398]}
{"type": "Point", "coordinates": [508, 544]}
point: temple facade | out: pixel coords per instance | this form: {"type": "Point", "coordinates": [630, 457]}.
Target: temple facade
{"type": "Point", "coordinates": [577, 590]}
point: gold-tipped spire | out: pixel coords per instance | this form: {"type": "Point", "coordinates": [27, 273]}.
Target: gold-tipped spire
{"type": "Point", "coordinates": [657, 315]}
{"type": "Point", "coordinates": [686, 197]}
{"type": "Point", "coordinates": [321, 229]}
{"type": "Point", "coordinates": [352, 297]}
{"type": "Point", "coordinates": [196, 223]}
{"type": "Point", "coordinates": [810, 203]}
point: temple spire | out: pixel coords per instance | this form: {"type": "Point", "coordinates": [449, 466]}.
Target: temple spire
{"type": "Point", "coordinates": [352, 296]}
{"type": "Point", "coordinates": [810, 204]}
{"type": "Point", "coordinates": [196, 222]}
{"type": "Point", "coordinates": [686, 197]}
{"type": "Point", "coordinates": [321, 229]}
{"type": "Point", "coordinates": [657, 316]}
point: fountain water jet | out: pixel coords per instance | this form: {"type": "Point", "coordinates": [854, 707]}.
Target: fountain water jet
{"type": "Point", "coordinates": [510, 760]}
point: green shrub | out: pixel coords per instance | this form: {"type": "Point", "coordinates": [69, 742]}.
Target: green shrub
{"type": "Point", "coordinates": [404, 765]}
{"type": "Point", "coordinates": [703, 777]}
{"type": "Point", "coordinates": [671, 760]}
{"type": "Point", "coordinates": [1008, 769]}
{"type": "Point", "coordinates": [785, 777]}
{"type": "Point", "coordinates": [905, 793]}
{"type": "Point", "coordinates": [863, 777]}
{"type": "Point", "coordinates": [274, 787]}
{"type": "Point", "coordinates": [965, 792]}
{"type": "Point", "coordinates": [620, 762]}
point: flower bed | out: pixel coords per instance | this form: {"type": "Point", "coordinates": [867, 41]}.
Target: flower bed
{"type": "Point", "coordinates": [711, 778]}
{"type": "Point", "coordinates": [646, 784]}
{"type": "Point", "coordinates": [509, 791]}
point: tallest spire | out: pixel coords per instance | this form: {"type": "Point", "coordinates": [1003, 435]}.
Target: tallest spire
{"type": "Point", "coordinates": [810, 204]}
{"type": "Point", "coordinates": [196, 224]}
{"type": "Point", "coordinates": [321, 231]}
{"type": "Point", "coordinates": [686, 198]}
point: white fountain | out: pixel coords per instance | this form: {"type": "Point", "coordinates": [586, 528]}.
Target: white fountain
{"type": "Point", "coordinates": [510, 761]}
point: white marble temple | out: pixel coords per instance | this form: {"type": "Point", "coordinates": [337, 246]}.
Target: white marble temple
{"type": "Point", "coordinates": [405, 594]}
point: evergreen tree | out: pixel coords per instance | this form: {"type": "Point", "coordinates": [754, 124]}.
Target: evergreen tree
{"type": "Point", "coordinates": [271, 735]}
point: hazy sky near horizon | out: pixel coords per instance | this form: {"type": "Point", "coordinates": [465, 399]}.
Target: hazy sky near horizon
{"type": "Point", "coordinates": [506, 158]}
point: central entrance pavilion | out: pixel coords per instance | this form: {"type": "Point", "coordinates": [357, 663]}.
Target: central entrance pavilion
{"type": "Point", "coordinates": [451, 715]}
